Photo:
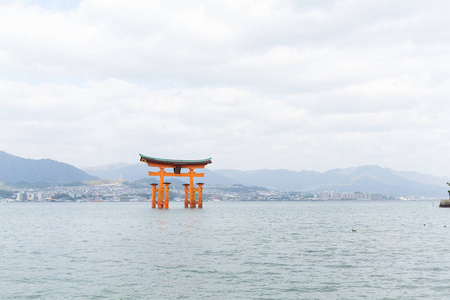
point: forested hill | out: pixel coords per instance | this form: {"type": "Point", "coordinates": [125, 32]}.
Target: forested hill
{"type": "Point", "coordinates": [17, 169]}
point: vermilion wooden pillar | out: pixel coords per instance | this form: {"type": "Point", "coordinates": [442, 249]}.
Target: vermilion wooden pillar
{"type": "Point", "coordinates": [160, 187]}
{"type": "Point", "coordinates": [191, 188]}
{"type": "Point", "coordinates": [200, 196]}
{"type": "Point", "coordinates": [166, 194]}
{"type": "Point", "coordinates": [186, 198]}
{"type": "Point", "coordinates": [154, 185]}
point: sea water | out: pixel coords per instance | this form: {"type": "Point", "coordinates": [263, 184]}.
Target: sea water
{"type": "Point", "coordinates": [227, 250]}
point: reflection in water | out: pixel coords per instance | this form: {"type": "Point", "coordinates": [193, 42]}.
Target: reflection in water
{"type": "Point", "coordinates": [161, 224]}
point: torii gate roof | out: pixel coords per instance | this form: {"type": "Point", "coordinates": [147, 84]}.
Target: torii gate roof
{"type": "Point", "coordinates": [176, 162]}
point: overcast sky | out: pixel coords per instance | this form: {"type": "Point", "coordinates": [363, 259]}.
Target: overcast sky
{"type": "Point", "coordinates": [298, 85]}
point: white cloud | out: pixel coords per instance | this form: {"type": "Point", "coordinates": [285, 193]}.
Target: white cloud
{"type": "Point", "coordinates": [267, 84]}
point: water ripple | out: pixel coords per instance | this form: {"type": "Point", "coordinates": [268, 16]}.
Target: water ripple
{"type": "Point", "coordinates": [243, 250]}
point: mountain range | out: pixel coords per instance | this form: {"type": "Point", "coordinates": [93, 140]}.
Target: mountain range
{"type": "Point", "coordinates": [14, 169]}
{"type": "Point", "coordinates": [371, 178]}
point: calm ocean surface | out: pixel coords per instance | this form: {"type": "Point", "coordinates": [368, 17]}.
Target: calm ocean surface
{"type": "Point", "coordinates": [227, 250]}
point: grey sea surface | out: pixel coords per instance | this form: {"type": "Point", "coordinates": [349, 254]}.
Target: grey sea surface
{"type": "Point", "coordinates": [227, 250]}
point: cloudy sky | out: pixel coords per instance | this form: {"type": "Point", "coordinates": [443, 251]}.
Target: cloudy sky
{"type": "Point", "coordinates": [298, 85]}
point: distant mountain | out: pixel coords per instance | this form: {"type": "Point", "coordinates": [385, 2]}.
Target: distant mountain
{"type": "Point", "coordinates": [15, 169]}
{"type": "Point", "coordinates": [139, 171]}
{"type": "Point", "coordinates": [283, 180]}
{"type": "Point", "coordinates": [126, 171]}
{"type": "Point", "coordinates": [364, 178]}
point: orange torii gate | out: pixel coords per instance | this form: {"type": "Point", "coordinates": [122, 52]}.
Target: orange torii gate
{"type": "Point", "coordinates": [177, 165]}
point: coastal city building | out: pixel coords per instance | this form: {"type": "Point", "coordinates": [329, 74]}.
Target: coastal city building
{"type": "Point", "coordinates": [22, 197]}
{"type": "Point", "coordinates": [123, 191]}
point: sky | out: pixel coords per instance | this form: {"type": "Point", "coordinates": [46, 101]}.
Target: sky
{"type": "Point", "coordinates": [297, 85]}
